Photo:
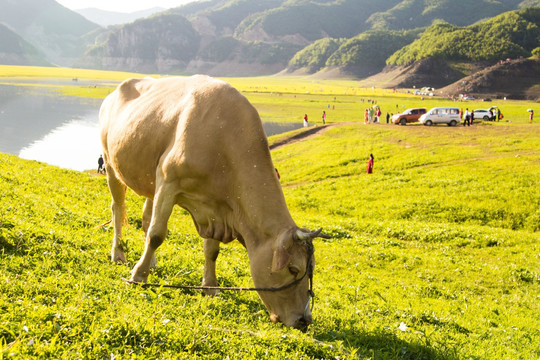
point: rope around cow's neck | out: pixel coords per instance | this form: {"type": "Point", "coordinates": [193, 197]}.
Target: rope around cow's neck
{"type": "Point", "coordinates": [308, 273]}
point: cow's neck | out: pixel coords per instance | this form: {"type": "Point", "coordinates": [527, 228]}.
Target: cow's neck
{"type": "Point", "coordinates": [263, 212]}
{"type": "Point", "coordinates": [262, 209]}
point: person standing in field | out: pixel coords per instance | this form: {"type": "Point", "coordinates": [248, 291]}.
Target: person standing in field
{"type": "Point", "coordinates": [305, 120]}
{"type": "Point", "coordinates": [472, 118]}
{"type": "Point", "coordinates": [466, 117]}
{"type": "Point", "coordinates": [531, 114]}
{"type": "Point", "coordinates": [387, 118]}
{"type": "Point", "coordinates": [370, 164]}
{"type": "Point", "coordinates": [366, 116]}
{"type": "Point", "coordinates": [101, 167]}
{"type": "Point", "coordinates": [324, 117]}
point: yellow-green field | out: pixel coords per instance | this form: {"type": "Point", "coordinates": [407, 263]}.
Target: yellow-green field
{"type": "Point", "coordinates": [433, 256]}
{"type": "Point", "coordinates": [278, 98]}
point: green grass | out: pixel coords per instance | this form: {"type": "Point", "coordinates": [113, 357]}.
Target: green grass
{"type": "Point", "coordinates": [434, 256]}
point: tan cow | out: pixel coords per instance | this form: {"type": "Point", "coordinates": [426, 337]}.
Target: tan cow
{"type": "Point", "coordinates": [198, 143]}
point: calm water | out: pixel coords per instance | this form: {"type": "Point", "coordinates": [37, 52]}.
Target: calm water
{"type": "Point", "coordinates": [37, 124]}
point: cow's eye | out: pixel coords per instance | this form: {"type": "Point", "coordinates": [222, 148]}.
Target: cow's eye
{"type": "Point", "coordinates": [294, 270]}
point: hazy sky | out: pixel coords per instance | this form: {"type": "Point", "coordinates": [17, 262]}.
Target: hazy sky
{"type": "Point", "coordinates": [126, 6]}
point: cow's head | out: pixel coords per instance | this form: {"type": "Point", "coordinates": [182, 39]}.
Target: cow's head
{"type": "Point", "coordinates": [287, 266]}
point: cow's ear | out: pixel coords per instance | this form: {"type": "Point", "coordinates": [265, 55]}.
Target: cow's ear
{"type": "Point", "coordinates": [281, 258]}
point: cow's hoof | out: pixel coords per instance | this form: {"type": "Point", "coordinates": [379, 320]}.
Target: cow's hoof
{"type": "Point", "coordinates": [118, 256]}
{"type": "Point", "coordinates": [210, 292]}
{"type": "Point", "coordinates": [138, 276]}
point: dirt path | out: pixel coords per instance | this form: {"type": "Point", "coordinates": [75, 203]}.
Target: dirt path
{"type": "Point", "coordinates": [306, 134]}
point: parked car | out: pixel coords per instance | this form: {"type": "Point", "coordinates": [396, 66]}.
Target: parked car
{"type": "Point", "coordinates": [409, 115]}
{"type": "Point", "coordinates": [482, 114]}
{"type": "Point", "coordinates": [441, 115]}
{"type": "Point", "coordinates": [485, 114]}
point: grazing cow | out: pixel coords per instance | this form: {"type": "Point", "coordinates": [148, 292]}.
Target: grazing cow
{"type": "Point", "coordinates": [198, 143]}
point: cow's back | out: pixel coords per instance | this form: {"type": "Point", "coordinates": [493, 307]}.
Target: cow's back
{"type": "Point", "coordinates": [186, 121]}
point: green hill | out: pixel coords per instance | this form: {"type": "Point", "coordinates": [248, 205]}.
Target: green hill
{"type": "Point", "coordinates": [315, 56]}
{"type": "Point", "coordinates": [512, 34]}
{"type": "Point", "coordinates": [366, 53]}
{"type": "Point", "coordinates": [362, 55]}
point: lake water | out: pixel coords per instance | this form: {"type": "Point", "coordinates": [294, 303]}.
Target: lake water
{"type": "Point", "coordinates": [38, 124]}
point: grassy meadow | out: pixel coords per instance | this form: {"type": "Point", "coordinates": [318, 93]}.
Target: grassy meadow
{"type": "Point", "coordinates": [434, 256]}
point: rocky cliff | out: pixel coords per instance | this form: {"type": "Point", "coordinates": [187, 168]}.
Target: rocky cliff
{"type": "Point", "coordinates": [158, 44]}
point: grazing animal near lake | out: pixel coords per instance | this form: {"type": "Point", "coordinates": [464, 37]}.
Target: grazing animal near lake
{"type": "Point", "coordinates": [198, 143]}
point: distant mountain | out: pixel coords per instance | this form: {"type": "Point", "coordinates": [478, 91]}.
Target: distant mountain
{"type": "Point", "coordinates": [106, 18]}
{"type": "Point", "coordinates": [303, 22]}
{"type": "Point", "coordinates": [48, 26]}
{"type": "Point", "coordinates": [14, 50]}
{"type": "Point", "coordinates": [222, 17]}
{"type": "Point", "coordinates": [155, 44]}
{"type": "Point", "coordinates": [423, 13]}
{"type": "Point", "coordinates": [419, 41]}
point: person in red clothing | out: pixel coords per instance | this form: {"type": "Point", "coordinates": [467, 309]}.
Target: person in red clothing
{"type": "Point", "coordinates": [370, 164]}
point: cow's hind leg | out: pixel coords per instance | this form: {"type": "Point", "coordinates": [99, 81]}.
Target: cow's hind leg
{"type": "Point", "coordinates": [157, 230]}
{"type": "Point", "coordinates": [211, 252]}
{"type": "Point", "coordinates": [118, 207]}
{"type": "Point", "coordinates": [146, 219]}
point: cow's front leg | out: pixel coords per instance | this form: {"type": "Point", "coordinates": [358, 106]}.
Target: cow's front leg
{"type": "Point", "coordinates": [146, 220]}
{"type": "Point", "coordinates": [161, 211]}
{"type": "Point", "coordinates": [211, 252]}
{"type": "Point", "coordinates": [118, 208]}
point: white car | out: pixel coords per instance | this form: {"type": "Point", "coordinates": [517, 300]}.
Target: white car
{"type": "Point", "coordinates": [482, 114]}
{"type": "Point", "coordinates": [441, 115]}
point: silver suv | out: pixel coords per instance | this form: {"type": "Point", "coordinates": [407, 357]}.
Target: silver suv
{"type": "Point", "coordinates": [441, 115]}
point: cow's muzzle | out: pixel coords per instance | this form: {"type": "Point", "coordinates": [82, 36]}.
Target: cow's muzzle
{"type": "Point", "coordinates": [303, 323]}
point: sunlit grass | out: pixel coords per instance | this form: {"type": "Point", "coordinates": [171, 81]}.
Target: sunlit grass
{"type": "Point", "coordinates": [13, 71]}
{"type": "Point", "coordinates": [434, 256]}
